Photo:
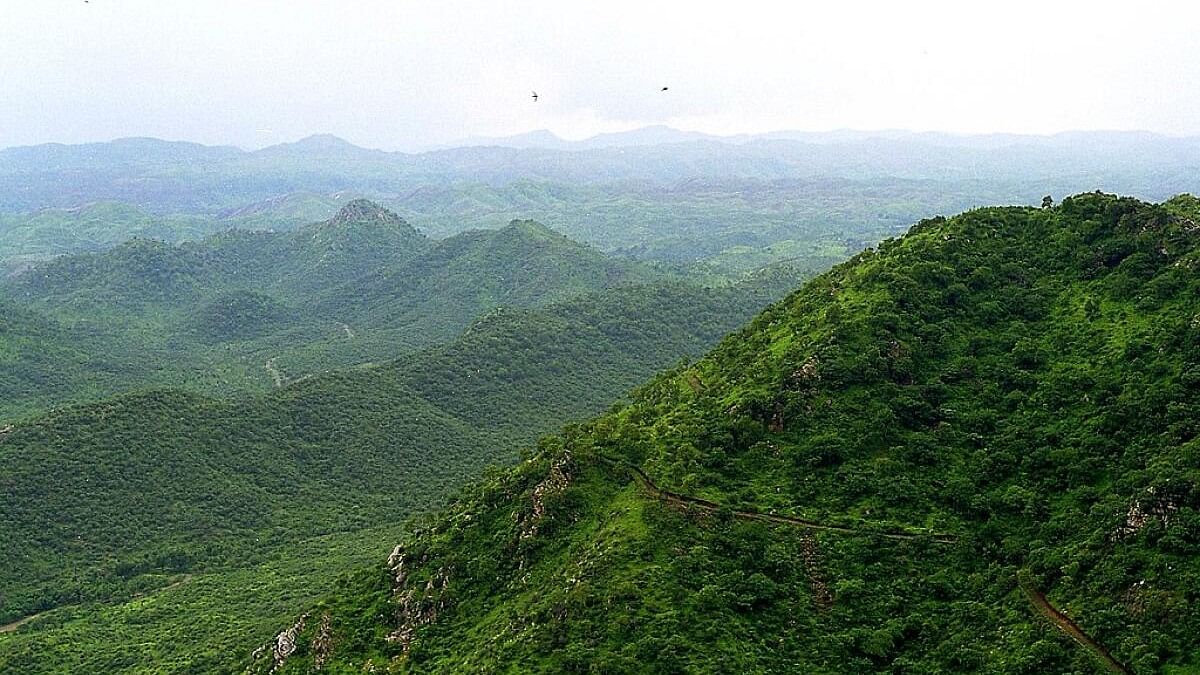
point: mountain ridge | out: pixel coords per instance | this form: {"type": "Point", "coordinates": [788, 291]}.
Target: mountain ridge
{"type": "Point", "coordinates": [1022, 379]}
{"type": "Point", "coordinates": [359, 287]}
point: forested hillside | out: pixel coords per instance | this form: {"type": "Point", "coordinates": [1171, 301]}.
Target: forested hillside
{"type": "Point", "coordinates": [245, 311]}
{"type": "Point", "coordinates": [135, 493]}
{"type": "Point", "coordinates": [972, 449]}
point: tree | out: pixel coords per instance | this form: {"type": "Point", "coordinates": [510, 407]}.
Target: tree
{"type": "Point", "coordinates": [1047, 202]}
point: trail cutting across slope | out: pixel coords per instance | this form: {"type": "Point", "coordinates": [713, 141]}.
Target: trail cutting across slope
{"type": "Point", "coordinates": [275, 374]}
{"type": "Point", "coordinates": [1036, 597]}
{"type": "Point", "coordinates": [1066, 625]}
{"type": "Point", "coordinates": [706, 506]}
{"type": "Point", "coordinates": [12, 627]}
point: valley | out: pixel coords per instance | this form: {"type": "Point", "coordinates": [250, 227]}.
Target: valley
{"type": "Point", "coordinates": [237, 429]}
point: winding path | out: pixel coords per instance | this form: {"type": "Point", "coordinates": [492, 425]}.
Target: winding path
{"type": "Point", "coordinates": [12, 627]}
{"type": "Point", "coordinates": [1066, 625]}
{"type": "Point", "coordinates": [687, 501]}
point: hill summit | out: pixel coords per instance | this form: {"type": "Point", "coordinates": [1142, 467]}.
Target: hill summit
{"type": "Point", "coordinates": [365, 211]}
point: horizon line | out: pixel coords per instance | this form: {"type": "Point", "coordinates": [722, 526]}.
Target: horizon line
{"type": "Point", "coordinates": [483, 141]}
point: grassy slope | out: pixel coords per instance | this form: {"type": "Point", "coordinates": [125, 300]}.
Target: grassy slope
{"type": "Point", "coordinates": [125, 495]}
{"type": "Point", "coordinates": [1021, 378]}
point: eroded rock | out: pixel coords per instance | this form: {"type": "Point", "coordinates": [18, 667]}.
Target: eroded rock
{"type": "Point", "coordinates": [322, 644]}
{"type": "Point", "coordinates": [1154, 506]}
{"type": "Point", "coordinates": [417, 606]}
{"type": "Point", "coordinates": [557, 480]}
{"type": "Point", "coordinates": [285, 644]}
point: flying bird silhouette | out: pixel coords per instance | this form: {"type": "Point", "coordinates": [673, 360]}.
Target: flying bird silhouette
{"type": "Point", "coordinates": [665, 88]}
{"type": "Point", "coordinates": [535, 97]}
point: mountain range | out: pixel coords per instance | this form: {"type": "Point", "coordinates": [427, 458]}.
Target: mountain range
{"type": "Point", "coordinates": [725, 205]}
{"type": "Point", "coordinates": [170, 177]}
{"type": "Point", "coordinates": [296, 399]}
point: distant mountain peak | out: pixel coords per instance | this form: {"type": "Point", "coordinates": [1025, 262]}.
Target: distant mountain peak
{"type": "Point", "coordinates": [319, 145]}
{"type": "Point", "coordinates": [365, 211]}
{"type": "Point", "coordinates": [324, 141]}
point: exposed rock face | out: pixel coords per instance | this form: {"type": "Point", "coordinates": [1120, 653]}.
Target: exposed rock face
{"type": "Point", "coordinates": [808, 374]}
{"type": "Point", "coordinates": [322, 644]}
{"type": "Point", "coordinates": [822, 596]}
{"type": "Point", "coordinates": [1153, 506]}
{"type": "Point", "coordinates": [416, 608]}
{"type": "Point", "coordinates": [416, 604]}
{"type": "Point", "coordinates": [556, 480]}
{"type": "Point", "coordinates": [364, 211]}
{"type": "Point", "coordinates": [285, 644]}
{"type": "Point", "coordinates": [805, 381]}
{"type": "Point", "coordinates": [396, 563]}
{"type": "Point", "coordinates": [777, 422]}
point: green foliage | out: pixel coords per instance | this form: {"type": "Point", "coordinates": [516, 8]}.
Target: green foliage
{"type": "Point", "coordinates": [121, 497]}
{"type": "Point", "coordinates": [1022, 378]}
{"type": "Point", "coordinates": [361, 287]}
{"type": "Point", "coordinates": [239, 315]}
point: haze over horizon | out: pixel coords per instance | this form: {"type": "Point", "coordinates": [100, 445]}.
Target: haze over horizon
{"type": "Point", "coordinates": [414, 75]}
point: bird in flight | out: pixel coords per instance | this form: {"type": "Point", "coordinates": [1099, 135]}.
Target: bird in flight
{"type": "Point", "coordinates": [665, 88]}
{"type": "Point", "coordinates": [535, 97]}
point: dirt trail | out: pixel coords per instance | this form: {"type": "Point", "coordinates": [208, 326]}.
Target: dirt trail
{"type": "Point", "coordinates": [183, 580]}
{"type": "Point", "coordinates": [12, 627]}
{"type": "Point", "coordinates": [687, 501]}
{"type": "Point", "coordinates": [275, 374]}
{"type": "Point", "coordinates": [1066, 625]}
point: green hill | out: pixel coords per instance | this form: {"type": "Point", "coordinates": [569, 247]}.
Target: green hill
{"type": "Point", "coordinates": [244, 311]}
{"type": "Point", "coordinates": [91, 227]}
{"type": "Point", "coordinates": [128, 495]}
{"type": "Point", "coordinates": [521, 265]}
{"type": "Point", "coordinates": [905, 466]}
{"type": "Point", "coordinates": [361, 237]}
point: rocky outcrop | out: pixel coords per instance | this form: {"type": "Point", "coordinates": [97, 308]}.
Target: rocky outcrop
{"type": "Point", "coordinates": [417, 604]}
{"type": "Point", "coordinates": [364, 211]}
{"type": "Point", "coordinates": [282, 647]}
{"type": "Point", "coordinates": [556, 480]}
{"type": "Point", "coordinates": [322, 644]}
{"type": "Point", "coordinates": [822, 596]}
{"type": "Point", "coordinates": [1154, 506]}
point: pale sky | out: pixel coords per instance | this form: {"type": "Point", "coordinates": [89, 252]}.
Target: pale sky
{"type": "Point", "coordinates": [399, 74]}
